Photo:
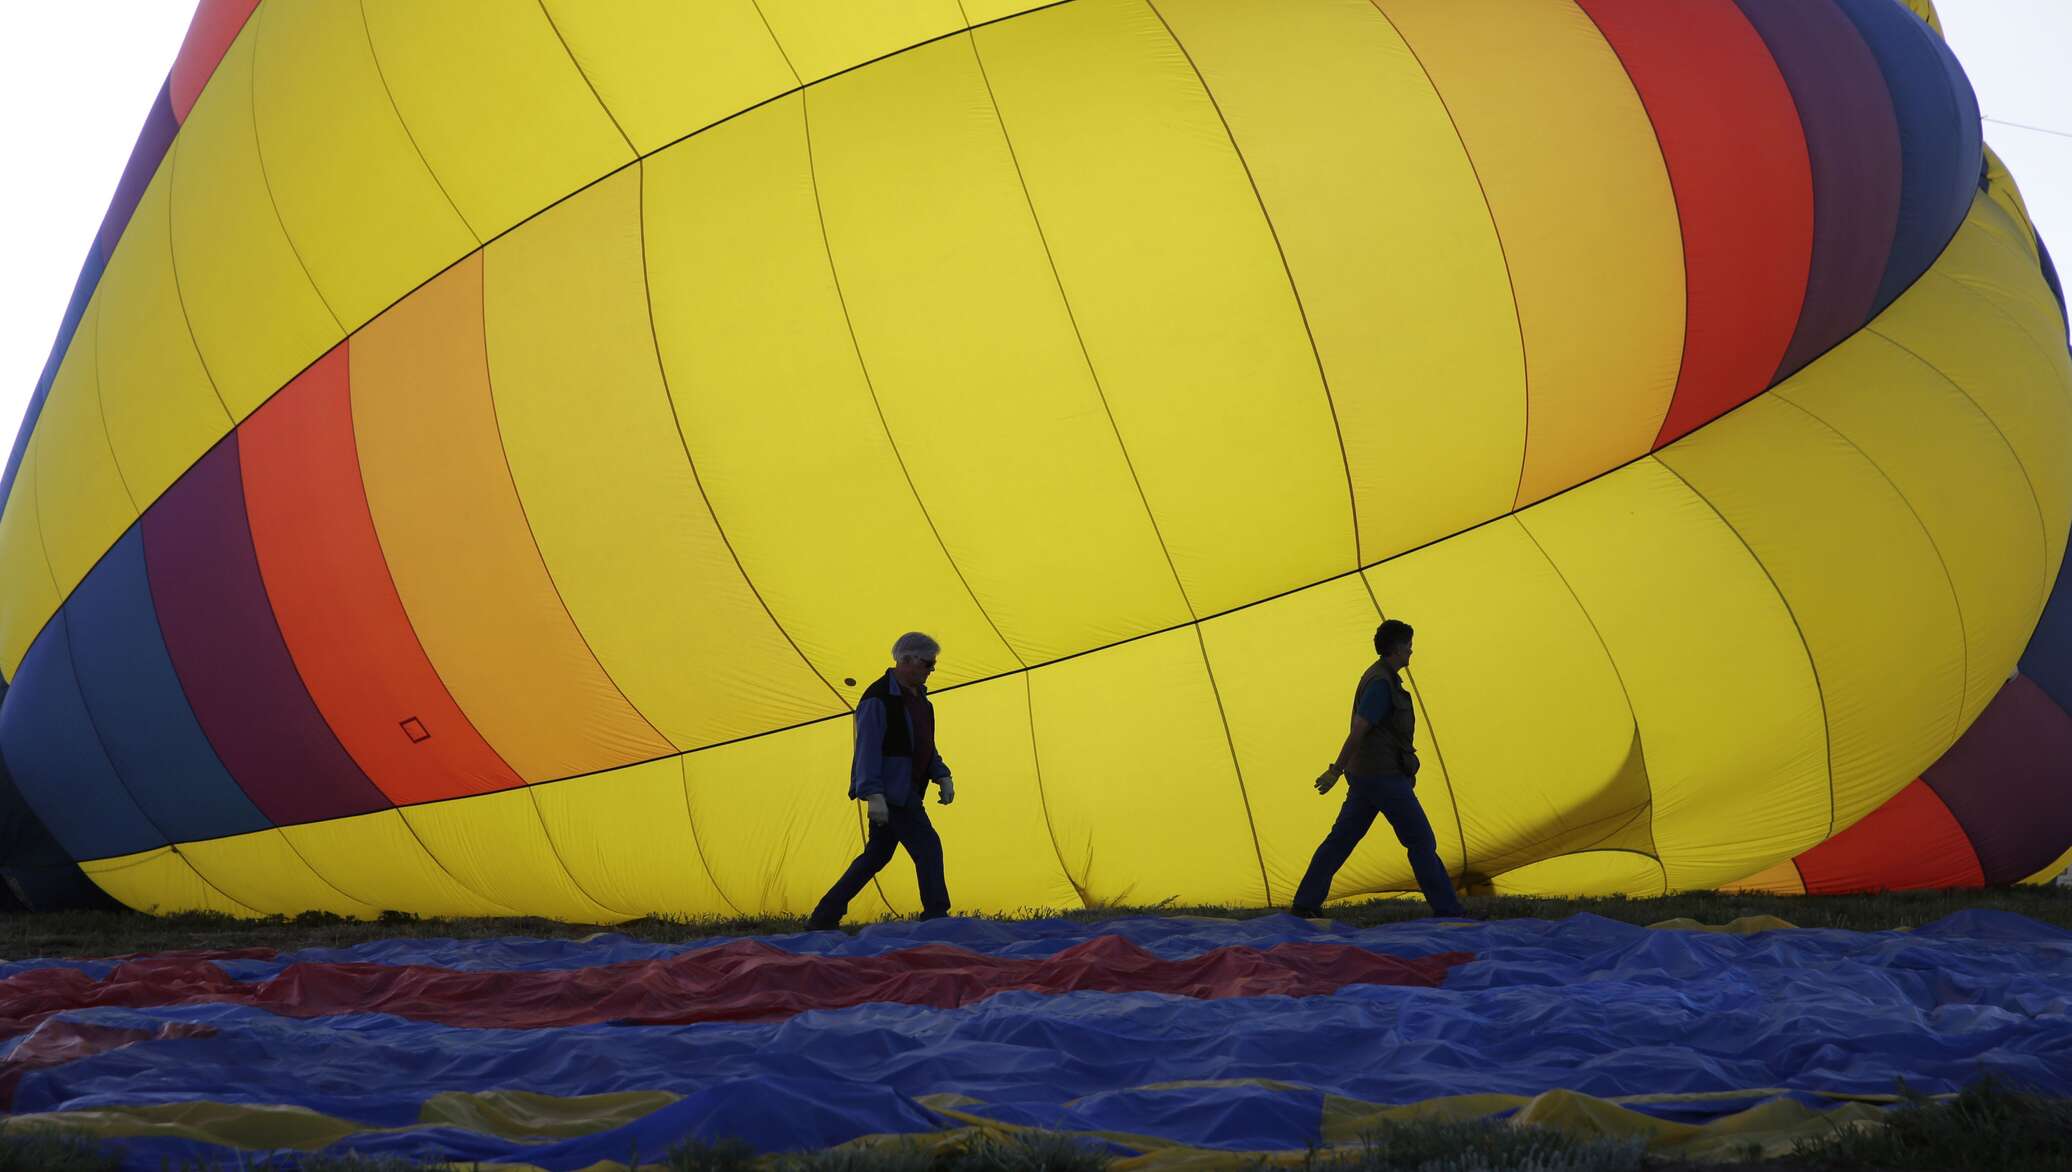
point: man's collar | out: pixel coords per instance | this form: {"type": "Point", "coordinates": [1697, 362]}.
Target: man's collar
{"type": "Point", "coordinates": [892, 683]}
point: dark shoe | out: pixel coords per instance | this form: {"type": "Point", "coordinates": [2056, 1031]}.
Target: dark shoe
{"type": "Point", "coordinates": [1460, 914]}
{"type": "Point", "coordinates": [819, 923]}
{"type": "Point", "coordinates": [1306, 913]}
{"type": "Point", "coordinates": [933, 916]}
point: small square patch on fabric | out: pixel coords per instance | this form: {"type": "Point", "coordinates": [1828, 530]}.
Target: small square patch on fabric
{"type": "Point", "coordinates": [416, 731]}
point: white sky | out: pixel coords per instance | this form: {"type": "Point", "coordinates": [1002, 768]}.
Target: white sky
{"type": "Point", "coordinates": [82, 73]}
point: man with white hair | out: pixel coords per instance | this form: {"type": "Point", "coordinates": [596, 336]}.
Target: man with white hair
{"type": "Point", "coordinates": [895, 761]}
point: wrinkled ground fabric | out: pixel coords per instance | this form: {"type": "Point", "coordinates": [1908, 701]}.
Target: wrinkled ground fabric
{"type": "Point", "coordinates": [1145, 1035]}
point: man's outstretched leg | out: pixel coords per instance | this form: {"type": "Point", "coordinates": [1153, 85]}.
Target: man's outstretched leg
{"type": "Point", "coordinates": [877, 851]}
{"type": "Point", "coordinates": [1398, 801]}
{"type": "Point", "coordinates": [924, 846]}
{"type": "Point", "coordinates": [1354, 817]}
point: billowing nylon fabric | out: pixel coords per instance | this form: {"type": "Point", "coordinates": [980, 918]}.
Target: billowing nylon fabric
{"type": "Point", "coordinates": [53, 751]}
{"type": "Point", "coordinates": [1765, 1027]}
{"type": "Point", "coordinates": [1938, 136]}
{"type": "Point", "coordinates": [1568, 190]}
{"type": "Point", "coordinates": [244, 291]}
{"type": "Point", "coordinates": [1144, 353]}
{"type": "Point", "coordinates": [227, 648]}
{"type": "Point", "coordinates": [1737, 160]}
{"type": "Point", "coordinates": [460, 548]}
{"type": "Point", "coordinates": [583, 413]}
{"type": "Point", "coordinates": [143, 716]}
{"type": "Point", "coordinates": [215, 25]}
{"type": "Point", "coordinates": [339, 613]}
{"type": "Point", "coordinates": [1852, 147]}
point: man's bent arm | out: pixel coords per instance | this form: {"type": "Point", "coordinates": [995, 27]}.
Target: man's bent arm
{"type": "Point", "coordinates": [1361, 726]}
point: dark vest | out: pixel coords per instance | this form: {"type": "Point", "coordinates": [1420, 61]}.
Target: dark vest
{"type": "Point", "coordinates": [899, 741]}
{"type": "Point", "coordinates": [1388, 747]}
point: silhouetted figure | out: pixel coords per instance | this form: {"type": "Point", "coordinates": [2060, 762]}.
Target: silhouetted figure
{"type": "Point", "coordinates": [1379, 764]}
{"type": "Point", "coordinates": [894, 763]}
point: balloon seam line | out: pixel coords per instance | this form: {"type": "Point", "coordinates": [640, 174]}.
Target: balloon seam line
{"type": "Point", "coordinates": [266, 185]}
{"type": "Point", "coordinates": [1949, 580]}
{"type": "Point", "coordinates": [1352, 500]}
{"type": "Point", "coordinates": [1065, 299]}
{"type": "Point", "coordinates": [381, 75]}
{"type": "Point", "coordinates": [1826, 727]}
{"type": "Point", "coordinates": [871, 388]}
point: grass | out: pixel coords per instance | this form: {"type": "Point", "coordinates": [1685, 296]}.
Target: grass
{"type": "Point", "coordinates": [115, 933]}
{"type": "Point", "coordinates": [48, 1149]}
{"type": "Point", "coordinates": [1987, 1128]}
{"type": "Point", "coordinates": [1481, 1146]}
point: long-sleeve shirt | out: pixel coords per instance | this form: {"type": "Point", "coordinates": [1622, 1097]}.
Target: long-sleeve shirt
{"type": "Point", "coordinates": [872, 772]}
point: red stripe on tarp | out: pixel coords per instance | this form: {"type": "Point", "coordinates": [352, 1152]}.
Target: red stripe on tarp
{"type": "Point", "coordinates": [215, 25]}
{"type": "Point", "coordinates": [1729, 134]}
{"type": "Point", "coordinates": [744, 980]}
{"type": "Point", "coordinates": [1912, 842]}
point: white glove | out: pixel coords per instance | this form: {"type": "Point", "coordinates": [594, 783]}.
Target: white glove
{"type": "Point", "coordinates": [878, 812]}
{"type": "Point", "coordinates": [949, 791]}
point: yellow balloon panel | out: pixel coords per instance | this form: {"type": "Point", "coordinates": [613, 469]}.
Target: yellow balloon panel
{"type": "Point", "coordinates": [1286, 671]}
{"type": "Point", "coordinates": [822, 37]}
{"type": "Point", "coordinates": [1959, 320]}
{"type": "Point", "coordinates": [607, 485]}
{"type": "Point", "coordinates": [777, 415]}
{"type": "Point", "coordinates": [1915, 425]}
{"type": "Point", "coordinates": [1626, 873]}
{"type": "Point", "coordinates": [666, 69]}
{"type": "Point", "coordinates": [1582, 202]}
{"type": "Point", "coordinates": [262, 871]}
{"type": "Point", "coordinates": [80, 498]}
{"type": "Point", "coordinates": [496, 845]}
{"type": "Point", "coordinates": [160, 409]}
{"type": "Point", "coordinates": [160, 881]}
{"type": "Point", "coordinates": [28, 596]}
{"type": "Point", "coordinates": [379, 860]}
{"type": "Point", "coordinates": [256, 318]}
{"type": "Point", "coordinates": [1145, 801]}
{"type": "Point", "coordinates": [996, 835]}
{"type": "Point", "coordinates": [460, 551]}
{"type": "Point", "coordinates": [1707, 651]}
{"type": "Point", "coordinates": [367, 218]}
{"type": "Point", "coordinates": [1329, 108]}
{"type": "Point", "coordinates": [774, 823]}
{"type": "Point", "coordinates": [502, 115]}
{"type": "Point", "coordinates": [1868, 593]}
{"type": "Point", "coordinates": [1171, 271]}
{"type": "Point", "coordinates": [972, 358]}
{"type": "Point", "coordinates": [1526, 713]}
{"type": "Point", "coordinates": [2051, 873]}
{"type": "Point", "coordinates": [625, 836]}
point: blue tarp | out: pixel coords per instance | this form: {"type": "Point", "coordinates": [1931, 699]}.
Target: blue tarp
{"type": "Point", "coordinates": [1587, 1004]}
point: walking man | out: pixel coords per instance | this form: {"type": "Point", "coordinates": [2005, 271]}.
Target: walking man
{"type": "Point", "coordinates": [895, 760]}
{"type": "Point", "coordinates": [1379, 764]}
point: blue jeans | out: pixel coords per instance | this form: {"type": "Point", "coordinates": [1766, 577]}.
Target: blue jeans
{"type": "Point", "coordinates": [906, 826]}
{"type": "Point", "coordinates": [1393, 797]}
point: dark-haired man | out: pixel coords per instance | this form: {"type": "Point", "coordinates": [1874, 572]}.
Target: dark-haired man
{"type": "Point", "coordinates": [1379, 764]}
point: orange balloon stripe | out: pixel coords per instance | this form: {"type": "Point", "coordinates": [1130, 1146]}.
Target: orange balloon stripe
{"type": "Point", "coordinates": [337, 606]}
{"type": "Point", "coordinates": [461, 551]}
